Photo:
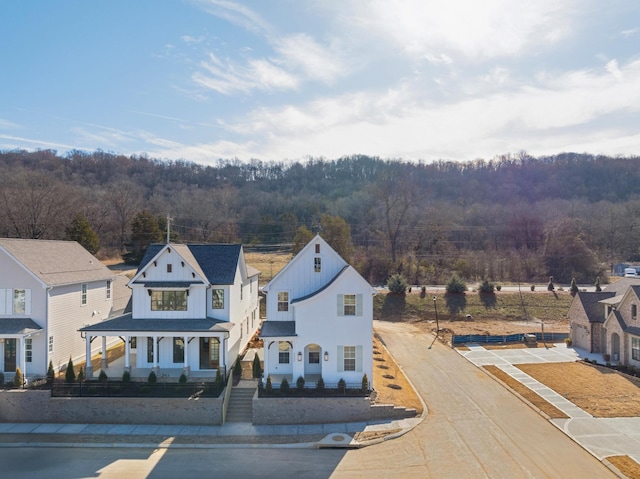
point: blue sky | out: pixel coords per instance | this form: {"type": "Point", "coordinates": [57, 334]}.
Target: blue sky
{"type": "Point", "coordinates": [283, 80]}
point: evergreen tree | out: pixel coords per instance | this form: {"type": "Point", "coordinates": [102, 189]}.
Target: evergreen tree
{"type": "Point", "coordinates": [598, 288]}
{"type": "Point", "coordinates": [50, 373]}
{"type": "Point", "coordinates": [79, 230]}
{"type": "Point", "coordinates": [456, 285]}
{"type": "Point", "coordinates": [18, 379]}
{"type": "Point", "coordinates": [574, 287]}
{"type": "Point", "coordinates": [486, 287]}
{"type": "Point", "coordinates": [397, 284]}
{"type": "Point", "coordinates": [80, 377]}
{"type": "Point", "coordinates": [257, 369]}
{"type": "Point", "coordinates": [70, 374]}
{"type": "Point", "coordinates": [144, 231]}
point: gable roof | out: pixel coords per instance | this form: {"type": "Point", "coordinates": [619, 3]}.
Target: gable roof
{"type": "Point", "coordinates": [56, 263]}
{"type": "Point", "coordinates": [621, 286]}
{"type": "Point", "coordinates": [216, 262]}
{"type": "Point", "coordinates": [592, 307]}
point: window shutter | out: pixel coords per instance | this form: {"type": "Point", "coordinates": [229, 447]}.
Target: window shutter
{"type": "Point", "coordinates": [27, 301]}
{"type": "Point", "coordinates": [340, 359]}
{"type": "Point", "coordinates": [359, 358]}
{"type": "Point", "coordinates": [341, 305]}
{"type": "Point", "coordinates": [358, 305]}
{"type": "Point", "coordinates": [3, 301]}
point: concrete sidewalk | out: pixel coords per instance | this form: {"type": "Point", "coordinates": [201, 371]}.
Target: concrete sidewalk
{"type": "Point", "coordinates": [602, 437]}
{"type": "Point", "coordinates": [227, 435]}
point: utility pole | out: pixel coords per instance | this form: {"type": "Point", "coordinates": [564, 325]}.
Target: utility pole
{"type": "Point", "coordinates": [435, 306]}
{"type": "Point", "coordinates": [168, 228]}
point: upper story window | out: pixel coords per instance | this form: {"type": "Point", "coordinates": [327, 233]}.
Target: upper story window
{"type": "Point", "coordinates": [83, 299]}
{"type": "Point", "coordinates": [283, 301]}
{"type": "Point", "coordinates": [19, 301]}
{"type": "Point", "coordinates": [108, 289]}
{"type": "Point", "coordinates": [50, 344]}
{"type": "Point", "coordinates": [168, 300]}
{"type": "Point", "coordinates": [317, 249]}
{"type": "Point", "coordinates": [317, 264]}
{"type": "Point", "coordinates": [217, 298]}
{"type": "Point", "coordinates": [349, 304]}
{"type": "Point", "coordinates": [634, 311]}
{"type": "Point", "coordinates": [169, 267]}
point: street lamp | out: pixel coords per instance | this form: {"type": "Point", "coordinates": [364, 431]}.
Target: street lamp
{"type": "Point", "coordinates": [435, 306]}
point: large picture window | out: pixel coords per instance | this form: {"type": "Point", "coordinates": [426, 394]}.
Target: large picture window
{"type": "Point", "coordinates": [635, 349]}
{"type": "Point", "coordinates": [283, 301]}
{"type": "Point", "coordinates": [168, 300]}
{"type": "Point", "coordinates": [217, 298]}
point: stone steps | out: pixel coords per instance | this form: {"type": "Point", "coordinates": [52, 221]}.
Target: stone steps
{"type": "Point", "coordinates": [240, 407]}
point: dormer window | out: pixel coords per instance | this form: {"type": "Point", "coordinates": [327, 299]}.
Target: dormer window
{"type": "Point", "coordinates": [169, 268]}
{"type": "Point", "coordinates": [317, 265]}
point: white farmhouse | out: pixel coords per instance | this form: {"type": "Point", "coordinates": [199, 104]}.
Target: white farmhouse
{"type": "Point", "coordinates": [195, 307]}
{"type": "Point", "coordinates": [48, 290]}
{"type": "Point", "coordinates": [319, 320]}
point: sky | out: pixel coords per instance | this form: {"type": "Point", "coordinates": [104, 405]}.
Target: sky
{"type": "Point", "coordinates": [286, 80]}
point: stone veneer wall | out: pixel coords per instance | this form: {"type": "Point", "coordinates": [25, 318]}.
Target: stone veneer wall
{"type": "Point", "coordinates": [39, 406]}
{"type": "Point", "coordinates": [310, 410]}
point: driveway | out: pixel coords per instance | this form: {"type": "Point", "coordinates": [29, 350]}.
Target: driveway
{"type": "Point", "coordinates": [474, 428]}
{"type": "Point", "coordinates": [602, 437]}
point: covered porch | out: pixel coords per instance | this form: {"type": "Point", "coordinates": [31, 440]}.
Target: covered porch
{"type": "Point", "coordinates": [16, 346]}
{"type": "Point", "coordinates": [169, 348]}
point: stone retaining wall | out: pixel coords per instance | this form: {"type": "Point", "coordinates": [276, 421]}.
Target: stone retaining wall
{"type": "Point", "coordinates": [39, 406]}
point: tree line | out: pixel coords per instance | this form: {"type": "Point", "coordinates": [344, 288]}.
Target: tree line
{"type": "Point", "coordinates": [512, 218]}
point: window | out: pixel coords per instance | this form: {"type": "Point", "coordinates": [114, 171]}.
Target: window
{"type": "Point", "coordinates": [134, 342]}
{"type": "Point", "coordinates": [317, 265]}
{"type": "Point", "coordinates": [314, 357]}
{"type": "Point", "coordinates": [149, 350]}
{"type": "Point", "coordinates": [349, 304]}
{"type": "Point", "coordinates": [635, 349]}
{"type": "Point", "coordinates": [284, 352]}
{"type": "Point", "coordinates": [349, 358]}
{"type": "Point", "coordinates": [217, 299]}
{"type": "Point", "coordinates": [28, 349]}
{"type": "Point", "coordinates": [634, 311]}
{"type": "Point", "coordinates": [108, 289]}
{"type": "Point", "coordinates": [169, 268]}
{"type": "Point", "coordinates": [178, 350]}
{"type": "Point", "coordinates": [317, 249]}
{"type": "Point", "coordinates": [19, 301]}
{"type": "Point", "coordinates": [241, 291]}
{"type": "Point", "coordinates": [50, 344]}
{"type": "Point", "coordinates": [283, 301]}
{"type": "Point", "coordinates": [168, 300]}
{"type": "Point", "coordinates": [83, 299]}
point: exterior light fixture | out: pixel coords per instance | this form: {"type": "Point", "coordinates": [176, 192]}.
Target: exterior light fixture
{"type": "Point", "coordinates": [326, 355]}
{"type": "Point", "coordinates": [299, 356]}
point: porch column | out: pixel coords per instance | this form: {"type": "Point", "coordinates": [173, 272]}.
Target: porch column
{"type": "Point", "coordinates": [103, 362]}
{"type": "Point", "coordinates": [88, 370]}
{"type": "Point", "coordinates": [127, 352]}
{"type": "Point", "coordinates": [23, 358]}
{"type": "Point", "coordinates": [186, 369]}
{"type": "Point", "coordinates": [265, 350]}
{"type": "Point", "coordinates": [156, 354]}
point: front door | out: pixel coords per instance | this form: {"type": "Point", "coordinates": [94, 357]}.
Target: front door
{"type": "Point", "coordinates": [209, 353]}
{"type": "Point", "coordinates": [10, 355]}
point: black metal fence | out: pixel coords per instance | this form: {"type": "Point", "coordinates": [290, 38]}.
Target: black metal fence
{"type": "Point", "coordinates": [311, 389]}
{"type": "Point", "coordinates": [136, 389]}
{"type": "Point", "coordinates": [508, 338]}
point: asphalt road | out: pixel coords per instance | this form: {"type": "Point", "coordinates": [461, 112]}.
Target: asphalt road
{"type": "Point", "coordinates": [475, 428]}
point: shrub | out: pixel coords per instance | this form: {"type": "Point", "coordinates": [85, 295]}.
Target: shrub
{"type": "Point", "coordinates": [1, 378]}
{"type": "Point", "coordinates": [320, 385]}
{"type": "Point", "coordinates": [300, 384]}
{"type": "Point", "coordinates": [550, 286]}
{"type": "Point", "coordinates": [284, 386]}
{"type": "Point", "coordinates": [269, 387]}
{"type": "Point", "coordinates": [423, 290]}
{"type": "Point", "coordinates": [342, 385]}
{"type": "Point", "coordinates": [498, 287]}
{"type": "Point", "coordinates": [69, 374]}
{"type": "Point", "coordinates": [456, 285]}
{"type": "Point", "coordinates": [574, 287]}
{"type": "Point", "coordinates": [365, 384]}
{"type": "Point", "coordinates": [598, 288]}
{"type": "Point", "coordinates": [80, 377]}
{"type": "Point", "coordinates": [237, 368]}
{"type": "Point", "coordinates": [486, 287]}
{"type": "Point", "coordinates": [397, 284]}
{"type": "Point", "coordinates": [257, 369]}
{"type": "Point", "coordinates": [218, 380]}
{"type": "Point", "coordinates": [152, 378]}
{"type": "Point", "coordinates": [50, 373]}
{"type": "Point", "coordinates": [102, 377]}
{"type": "Point", "coordinates": [533, 287]}
{"type": "Point", "coordinates": [126, 377]}
{"type": "Point", "coordinates": [183, 379]}
{"type": "Point", "coordinates": [18, 379]}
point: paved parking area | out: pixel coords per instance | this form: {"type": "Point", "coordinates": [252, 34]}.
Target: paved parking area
{"type": "Point", "coordinates": [602, 437]}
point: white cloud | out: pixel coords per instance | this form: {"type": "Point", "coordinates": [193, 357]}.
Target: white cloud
{"type": "Point", "coordinates": [301, 52]}
{"type": "Point", "coordinates": [235, 13]}
{"type": "Point", "coordinates": [629, 33]}
{"type": "Point", "coordinates": [8, 125]}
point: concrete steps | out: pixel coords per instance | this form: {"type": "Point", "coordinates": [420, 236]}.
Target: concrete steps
{"type": "Point", "coordinates": [240, 407]}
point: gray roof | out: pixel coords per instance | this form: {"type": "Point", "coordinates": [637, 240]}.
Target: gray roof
{"type": "Point", "coordinates": [592, 306]}
{"type": "Point", "coordinates": [120, 293]}
{"type": "Point", "coordinates": [621, 286]}
{"type": "Point", "coordinates": [126, 323]}
{"type": "Point", "coordinates": [275, 329]}
{"type": "Point", "coordinates": [56, 262]}
{"type": "Point", "coordinates": [168, 284]}
{"type": "Point", "coordinates": [216, 262]}
{"type": "Point", "coordinates": [21, 326]}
